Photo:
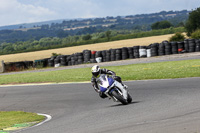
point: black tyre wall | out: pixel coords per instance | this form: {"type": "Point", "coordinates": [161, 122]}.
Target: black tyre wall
{"type": "Point", "coordinates": [86, 56]}
{"type": "Point", "coordinates": [136, 51]}
{"type": "Point", "coordinates": [168, 47]}
{"type": "Point", "coordinates": [125, 53]}
{"type": "Point", "coordinates": [174, 47]}
{"type": "Point", "coordinates": [161, 49]}
{"type": "Point", "coordinates": [63, 60]}
{"type": "Point", "coordinates": [197, 45]}
{"type": "Point", "coordinates": [192, 45]}
{"type": "Point", "coordinates": [130, 52]}
{"type": "Point", "coordinates": [181, 48]}
{"type": "Point", "coordinates": [113, 54]}
{"type": "Point", "coordinates": [154, 49]}
{"type": "Point", "coordinates": [118, 54]}
{"type": "Point", "coordinates": [186, 45]}
{"type": "Point", "coordinates": [108, 55]}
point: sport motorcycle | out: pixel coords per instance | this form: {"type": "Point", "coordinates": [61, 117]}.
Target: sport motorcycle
{"type": "Point", "coordinates": [113, 89]}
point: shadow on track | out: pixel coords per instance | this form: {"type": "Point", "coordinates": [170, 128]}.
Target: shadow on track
{"type": "Point", "coordinates": [117, 105]}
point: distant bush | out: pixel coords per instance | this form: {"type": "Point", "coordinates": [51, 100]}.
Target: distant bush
{"type": "Point", "coordinates": [55, 54]}
{"type": "Point", "coordinates": [196, 34]}
{"type": "Point", "coordinates": [161, 25]}
{"type": "Point", "coordinates": [177, 37]}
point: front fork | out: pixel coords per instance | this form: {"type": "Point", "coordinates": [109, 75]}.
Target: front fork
{"type": "Point", "coordinates": [123, 90]}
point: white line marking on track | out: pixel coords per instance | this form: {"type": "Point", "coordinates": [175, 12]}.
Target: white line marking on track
{"type": "Point", "coordinates": [39, 84]}
{"type": "Point", "coordinates": [48, 118]}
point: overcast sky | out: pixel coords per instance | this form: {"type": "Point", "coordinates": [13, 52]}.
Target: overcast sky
{"type": "Point", "coordinates": [26, 11]}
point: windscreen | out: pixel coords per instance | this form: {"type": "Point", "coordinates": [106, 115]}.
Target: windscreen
{"type": "Point", "coordinates": [102, 79]}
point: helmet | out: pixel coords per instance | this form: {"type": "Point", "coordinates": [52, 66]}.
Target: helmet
{"type": "Point", "coordinates": [95, 70]}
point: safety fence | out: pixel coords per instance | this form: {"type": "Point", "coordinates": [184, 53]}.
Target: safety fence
{"type": "Point", "coordinates": [88, 56]}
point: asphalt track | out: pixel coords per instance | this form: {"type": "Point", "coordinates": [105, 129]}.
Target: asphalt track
{"type": "Point", "coordinates": [159, 106]}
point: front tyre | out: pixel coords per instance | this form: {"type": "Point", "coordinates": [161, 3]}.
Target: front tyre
{"type": "Point", "coordinates": [129, 99]}
{"type": "Point", "coordinates": [119, 97]}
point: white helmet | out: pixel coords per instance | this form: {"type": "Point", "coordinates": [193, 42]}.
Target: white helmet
{"type": "Point", "coordinates": [95, 70]}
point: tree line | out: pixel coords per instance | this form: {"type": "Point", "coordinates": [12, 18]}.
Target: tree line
{"type": "Point", "coordinates": [55, 42]}
{"type": "Point", "coordinates": [89, 35]}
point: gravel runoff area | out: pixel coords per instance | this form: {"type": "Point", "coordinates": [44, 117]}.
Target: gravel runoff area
{"type": "Point", "coordinates": [174, 57]}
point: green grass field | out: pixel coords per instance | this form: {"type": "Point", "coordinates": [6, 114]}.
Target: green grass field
{"type": "Point", "coordinates": [10, 118]}
{"type": "Point", "coordinates": [162, 70]}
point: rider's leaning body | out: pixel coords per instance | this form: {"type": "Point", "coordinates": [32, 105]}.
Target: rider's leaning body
{"type": "Point", "coordinates": [96, 71]}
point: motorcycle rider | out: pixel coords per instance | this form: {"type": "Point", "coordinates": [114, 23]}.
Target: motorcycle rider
{"type": "Point", "coordinates": [96, 71]}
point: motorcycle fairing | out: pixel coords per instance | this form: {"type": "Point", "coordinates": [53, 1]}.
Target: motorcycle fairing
{"type": "Point", "coordinates": [105, 83]}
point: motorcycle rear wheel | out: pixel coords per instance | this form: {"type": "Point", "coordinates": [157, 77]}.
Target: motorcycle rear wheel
{"type": "Point", "coordinates": [119, 97]}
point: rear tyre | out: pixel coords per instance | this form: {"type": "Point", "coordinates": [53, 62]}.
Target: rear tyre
{"type": "Point", "coordinates": [119, 97]}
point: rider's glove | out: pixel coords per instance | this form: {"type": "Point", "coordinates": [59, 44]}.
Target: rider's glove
{"type": "Point", "coordinates": [114, 77]}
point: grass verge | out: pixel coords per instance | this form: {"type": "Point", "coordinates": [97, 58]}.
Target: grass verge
{"type": "Point", "coordinates": [161, 70]}
{"type": "Point", "coordinates": [10, 118]}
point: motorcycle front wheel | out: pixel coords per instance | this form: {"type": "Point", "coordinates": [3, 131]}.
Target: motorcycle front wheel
{"type": "Point", "coordinates": [129, 99]}
{"type": "Point", "coordinates": [119, 97]}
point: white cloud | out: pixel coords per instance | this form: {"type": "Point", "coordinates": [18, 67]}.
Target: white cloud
{"type": "Point", "coordinates": [73, 8]}
{"type": "Point", "coordinates": [12, 12]}
{"type": "Point", "coordinates": [23, 11]}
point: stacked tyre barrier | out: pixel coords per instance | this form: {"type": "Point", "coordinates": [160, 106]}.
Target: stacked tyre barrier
{"type": "Point", "coordinates": [63, 60]}
{"type": "Point", "coordinates": [80, 58]}
{"type": "Point", "coordinates": [41, 63]}
{"type": "Point", "coordinates": [103, 56]}
{"type": "Point", "coordinates": [174, 47]}
{"type": "Point", "coordinates": [57, 61]}
{"type": "Point", "coordinates": [108, 55]}
{"type": "Point", "coordinates": [130, 53]}
{"type": "Point", "coordinates": [191, 45]}
{"type": "Point", "coordinates": [118, 54]}
{"type": "Point", "coordinates": [168, 47]}
{"type": "Point", "coordinates": [112, 54]}
{"type": "Point", "coordinates": [86, 56]}
{"type": "Point", "coordinates": [93, 59]}
{"type": "Point", "coordinates": [124, 53]}
{"type": "Point", "coordinates": [155, 49]}
{"type": "Point", "coordinates": [143, 51]}
{"type": "Point", "coordinates": [51, 61]}
{"type": "Point", "coordinates": [161, 49]}
{"type": "Point", "coordinates": [148, 51]}
{"type": "Point", "coordinates": [136, 52]}
{"type": "Point", "coordinates": [180, 47]}
{"type": "Point", "coordinates": [18, 66]}
{"type": "Point", "coordinates": [197, 45]}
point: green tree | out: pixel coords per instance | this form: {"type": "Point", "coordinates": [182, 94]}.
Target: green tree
{"type": "Point", "coordinates": [177, 37]}
{"type": "Point", "coordinates": [108, 33]}
{"type": "Point", "coordinates": [196, 34]}
{"type": "Point", "coordinates": [161, 25]}
{"type": "Point", "coordinates": [193, 22]}
{"type": "Point", "coordinates": [87, 37]}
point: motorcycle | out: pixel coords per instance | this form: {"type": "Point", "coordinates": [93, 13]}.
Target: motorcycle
{"type": "Point", "coordinates": [113, 89]}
